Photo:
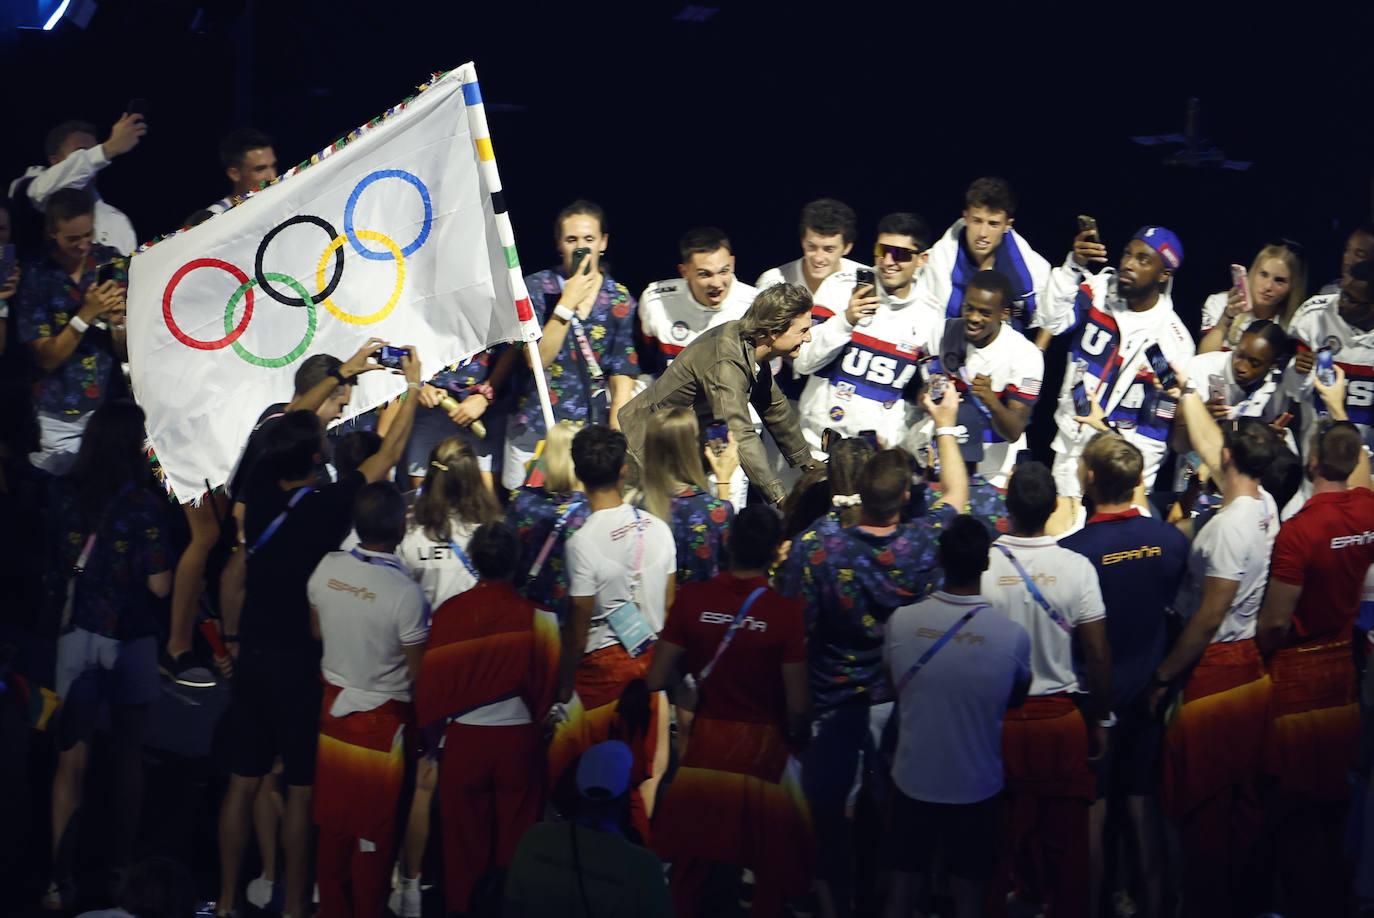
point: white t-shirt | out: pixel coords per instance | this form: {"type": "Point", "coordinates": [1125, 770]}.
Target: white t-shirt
{"type": "Point", "coordinates": [949, 741]}
{"type": "Point", "coordinates": [671, 318]}
{"type": "Point", "coordinates": [1067, 581]}
{"type": "Point", "coordinates": [435, 566]}
{"type": "Point", "coordinates": [601, 560]}
{"type": "Point", "coordinates": [1234, 545]}
{"type": "Point", "coordinates": [369, 608]}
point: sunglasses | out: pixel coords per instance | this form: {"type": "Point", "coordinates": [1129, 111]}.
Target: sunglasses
{"type": "Point", "coordinates": [900, 254]}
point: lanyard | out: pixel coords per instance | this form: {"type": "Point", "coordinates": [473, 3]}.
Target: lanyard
{"type": "Point", "coordinates": [273, 526]}
{"type": "Point", "coordinates": [558, 528]}
{"type": "Point", "coordinates": [461, 555]}
{"type": "Point", "coordinates": [585, 346]}
{"type": "Point", "coordinates": [730, 634]}
{"type": "Point", "coordinates": [1054, 614]}
{"type": "Point", "coordinates": [636, 575]}
{"type": "Point", "coordinates": [936, 647]}
{"type": "Point", "coordinates": [383, 560]}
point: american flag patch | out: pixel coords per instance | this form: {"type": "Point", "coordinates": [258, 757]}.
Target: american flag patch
{"type": "Point", "coordinates": [1029, 387]}
{"type": "Point", "coordinates": [1165, 408]}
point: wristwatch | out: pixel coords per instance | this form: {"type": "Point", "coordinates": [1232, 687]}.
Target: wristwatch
{"type": "Point", "coordinates": [564, 313]}
{"type": "Point", "coordinates": [78, 325]}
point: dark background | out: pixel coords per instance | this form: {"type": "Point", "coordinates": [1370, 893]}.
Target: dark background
{"type": "Point", "coordinates": [740, 119]}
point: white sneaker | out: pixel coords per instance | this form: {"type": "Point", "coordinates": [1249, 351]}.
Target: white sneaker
{"type": "Point", "coordinates": [405, 900]}
{"type": "Point", "coordinates": [260, 892]}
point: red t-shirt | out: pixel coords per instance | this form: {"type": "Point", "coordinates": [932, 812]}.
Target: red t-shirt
{"type": "Point", "coordinates": [1326, 549]}
{"type": "Point", "coordinates": [746, 683]}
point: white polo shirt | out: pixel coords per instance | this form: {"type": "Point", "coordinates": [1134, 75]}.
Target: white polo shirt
{"type": "Point", "coordinates": [949, 741]}
{"type": "Point", "coordinates": [1068, 582]}
{"type": "Point", "coordinates": [369, 608]}
{"type": "Point", "coordinates": [601, 560]}
{"type": "Point", "coordinates": [1234, 545]}
{"type": "Point", "coordinates": [434, 564]}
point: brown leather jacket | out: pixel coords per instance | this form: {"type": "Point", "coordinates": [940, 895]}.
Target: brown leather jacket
{"type": "Point", "coordinates": [716, 376]}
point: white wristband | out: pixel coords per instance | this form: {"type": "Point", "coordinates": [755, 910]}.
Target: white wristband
{"type": "Point", "coordinates": [959, 433]}
{"type": "Point", "coordinates": [78, 325]}
{"type": "Point", "coordinates": [564, 313]}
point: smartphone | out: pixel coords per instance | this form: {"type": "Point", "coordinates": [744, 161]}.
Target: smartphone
{"type": "Point", "coordinates": [1023, 456]}
{"type": "Point", "coordinates": [390, 357]}
{"type": "Point", "coordinates": [939, 384]}
{"type": "Point", "coordinates": [1283, 420]}
{"type": "Point", "coordinates": [109, 270]}
{"type": "Point", "coordinates": [1079, 391]}
{"type": "Point", "coordinates": [1160, 365]}
{"type": "Point", "coordinates": [8, 261]}
{"type": "Point", "coordinates": [137, 107]}
{"type": "Point", "coordinates": [579, 255]}
{"type": "Point", "coordinates": [829, 437]}
{"type": "Point", "coordinates": [1216, 386]}
{"type": "Point", "coordinates": [865, 276]}
{"type": "Point", "coordinates": [871, 436]}
{"type": "Point", "coordinates": [1087, 224]}
{"type": "Point", "coordinates": [1240, 282]}
{"type": "Point", "coordinates": [1326, 366]}
{"type": "Point", "coordinates": [717, 435]}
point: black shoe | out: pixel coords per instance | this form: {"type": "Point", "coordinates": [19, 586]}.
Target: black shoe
{"type": "Point", "coordinates": [186, 670]}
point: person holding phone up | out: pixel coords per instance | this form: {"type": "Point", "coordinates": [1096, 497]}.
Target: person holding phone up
{"type": "Point", "coordinates": [1126, 334]}
{"type": "Point", "coordinates": [56, 310]}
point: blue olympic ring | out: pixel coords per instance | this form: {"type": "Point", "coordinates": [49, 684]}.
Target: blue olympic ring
{"type": "Point", "coordinates": [353, 202]}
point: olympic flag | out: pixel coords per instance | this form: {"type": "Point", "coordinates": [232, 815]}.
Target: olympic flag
{"type": "Point", "coordinates": [397, 231]}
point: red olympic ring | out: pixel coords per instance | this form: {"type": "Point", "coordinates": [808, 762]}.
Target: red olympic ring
{"type": "Point", "coordinates": [176, 279]}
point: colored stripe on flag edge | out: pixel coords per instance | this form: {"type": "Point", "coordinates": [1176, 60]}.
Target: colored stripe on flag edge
{"type": "Point", "coordinates": [472, 95]}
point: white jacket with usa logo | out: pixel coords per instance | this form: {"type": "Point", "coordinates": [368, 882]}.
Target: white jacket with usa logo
{"type": "Point", "coordinates": [857, 373]}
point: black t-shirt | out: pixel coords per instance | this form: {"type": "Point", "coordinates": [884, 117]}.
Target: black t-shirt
{"type": "Point", "coordinates": [253, 450]}
{"type": "Point", "coordinates": [276, 613]}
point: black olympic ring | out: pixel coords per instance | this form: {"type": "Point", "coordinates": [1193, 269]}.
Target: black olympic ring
{"type": "Point", "coordinates": [282, 298]}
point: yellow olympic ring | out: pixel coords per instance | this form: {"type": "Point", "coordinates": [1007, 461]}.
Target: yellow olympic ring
{"type": "Point", "coordinates": [385, 311]}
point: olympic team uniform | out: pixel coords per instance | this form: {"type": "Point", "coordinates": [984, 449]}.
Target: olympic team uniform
{"type": "Point", "coordinates": [1265, 400]}
{"type": "Point", "coordinates": [1015, 368]}
{"type": "Point", "coordinates": [1112, 340]}
{"type": "Point", "coordinates": [857, 373]}
{"type": "Point", "coordinates": [671, 318]}
{"type": "Point", "coordinates": [941, 283]}
{"type": "Point", "coordinates": [791, 273]}
{"type": "Point", "coordinates": [1319, 324]}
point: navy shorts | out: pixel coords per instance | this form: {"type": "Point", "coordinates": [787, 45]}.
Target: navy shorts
{"type": "Point", "coordinates": [94, 671]}
{"type": "Point", "coordinates": [274, 710]}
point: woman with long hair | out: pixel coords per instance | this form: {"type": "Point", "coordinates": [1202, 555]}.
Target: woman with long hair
{"type": "Point", "coordinates": [1277, 284]}
{"type": "Point", "coordinates": [675, 490]}
{"type": "Point", "coordinates": [453, 503]}
{"type": "Point", "coordinates": [544, 512]}
{"type": "Point", "coordinates": [111, 526]}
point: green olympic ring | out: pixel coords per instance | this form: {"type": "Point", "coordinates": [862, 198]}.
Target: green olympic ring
{"type": "Point", "coordinates": [272, 363]}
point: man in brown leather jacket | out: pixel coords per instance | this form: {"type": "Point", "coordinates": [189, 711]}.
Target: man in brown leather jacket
{"type": "Point", "coordinates": [724, 371]}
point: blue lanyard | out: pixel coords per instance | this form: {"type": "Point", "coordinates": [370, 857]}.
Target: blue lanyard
{"type": "Point", "coordinates": [730, 634]}
{"type": "Point", "coordinates": [462, 556]}
{"type": "Point", "coordinates": [936, 647]}
{"type": "Point", "coordinates": [383, 560]}
{"type": "Point", "coordinates": [1039, 597]}
{"type": "Point", "coordinates": [273, 526]}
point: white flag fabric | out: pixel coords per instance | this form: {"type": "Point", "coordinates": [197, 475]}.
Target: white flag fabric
{"type": "Point", "coordinates": [399, 231]}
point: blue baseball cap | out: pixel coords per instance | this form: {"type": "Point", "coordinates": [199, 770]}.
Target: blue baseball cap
{"type": "Point", "coordinates": [1165, 242]}
{"type": "Point", "coordinates": [604, 771]}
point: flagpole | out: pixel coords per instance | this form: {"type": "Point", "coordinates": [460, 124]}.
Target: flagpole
{"type": "Point", "coordinates": [541, 384]}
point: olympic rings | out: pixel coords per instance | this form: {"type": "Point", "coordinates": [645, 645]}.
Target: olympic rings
{"type": "Point", "coordinates": [231, 333]}
{"type": "Point", "coordinates": [353, 203]}
{"type": "Point", "coordinates": [267, 240]}
{"type": "Point", "coordinates": [246, 289]}
{"type": "Point", "coordinates": [385, 311]}
{"type": "Point", "coordinates": [265, 280]}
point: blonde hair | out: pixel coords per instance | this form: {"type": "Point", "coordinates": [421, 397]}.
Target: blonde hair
{"type": "Point", "coordinates": [1116, 465]}
{"type": "Point", "coordinates": [559, 475]}
{"type": "Point", "coordinates": [1297, 277]}
{"type": "Point", "coordinates": [454, 486]}
{"type": "Point", "coordinates": [671, 459]}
